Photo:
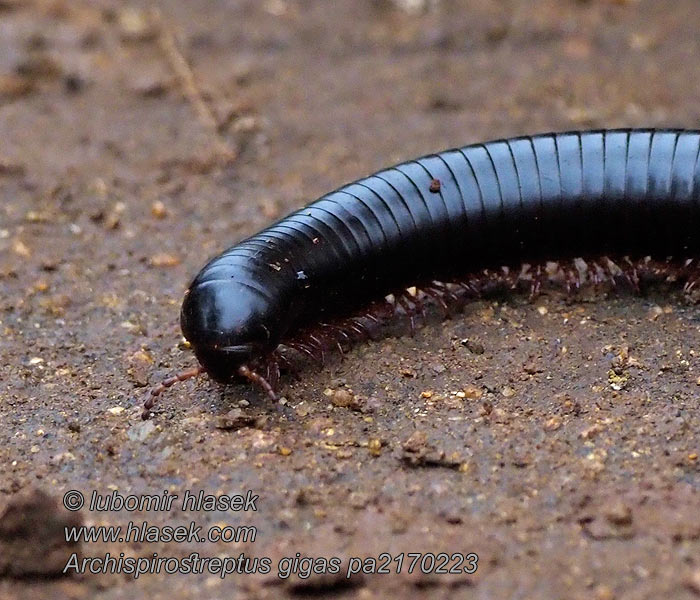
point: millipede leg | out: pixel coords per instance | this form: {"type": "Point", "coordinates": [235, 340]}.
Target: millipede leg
{"type": "Point", "coordinates": [382, 310]}
{"type": "Point", "coordinates": [536, 282]}
{"type": "Point", "coordinates": [164, 385]}
{"type": "Point", "coordinates": [573, 280]}
{"type": "Point", "coordinates": [613, 270]}
{"type": "Point", "coordinates": [258, 380]}
{"type": "Point", "coordinates": [281, 359]}
{"type": "Point", "coordinates": [437, 295]}
{"type": "Point", "coordinates": [510, 277]}
{"type": "Point", "coordinates": [359, 327]}
{"type": "Point", "coordinates": [690, 273]}
{"type": "Point", "coordinates": [272, 370]}
{"type": "Point", "coordinates": [304, 349]}
{"type": "Point", "coordinates": [469, 288]}
{"type": "Point", "coordinates": [409, 310]}
{"type": "Point", "coordinates": [631, 275]}
{"type": "Point", "coordinates": [597, 275]}
{"type": "Point", "coordinates": [445, 292]}
{"type": "Point", "coordinates": [690, 284]}
{"type": "Point", "coordinates": [338, 333]}
{"type": "Point", "coordinates": [318, 345]}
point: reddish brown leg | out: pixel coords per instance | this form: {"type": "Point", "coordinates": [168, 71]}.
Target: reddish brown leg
{"type": "Point", "coordinates": [597, 275]}
{"type": "Point", "coordinates": [356, 326]}
{"type": "Point", "coordinates": [164, 385]}
{"type": "Point", "coordinates": [338, 333]}
{"type": "Point", "coordinates": [409, 310]}
{"type": "Point", "coordinates": [437, 295]}
{"type": "Point", "coordinates": [446, 293]}
{"type": "Point", "coordinates": [258, 380]}
{"type": "Point", "coordinates": [510, 277]}
{"type": "Point", "coordinates": [691, 276]}
{"type": "Point", "coordinates": [691, 281]}
{"type": "Point", "coordinates": [370, 317]}
{"type": "Point", "coordinates": [470, 290]}
{"type": "Point", "coordinates": [572, 279]}
{"type": "Point", "coordinates": [613, 270]}
{"type": "Point", "coordinates": [280, 357]}
{"type": "Point", "coordinates": [318, 346]}
{"type": "Point", "coordinates": [304, 349]}
{"type": "Point", "coordinates": [630, 273]}
{"type": "Point", "coordinates": [688, 267]}
{"type": "Point", "coordinates": [536, 284]}
{"type": "Point", "coordinates": [382, 310]}
{"type": "Point", "coordinates": [272, 371]}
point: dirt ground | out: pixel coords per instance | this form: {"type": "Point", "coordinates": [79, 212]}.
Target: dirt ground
{"type": "Point", "coordinates": [557, 439]}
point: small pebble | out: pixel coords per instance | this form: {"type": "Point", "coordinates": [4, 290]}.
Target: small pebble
{"type": "Point", "coordinates": [618, 513]}
{"type": "Point", "coordinates": [140, 364]}
{"type": "Point", "coordinates": [472, 392]}
{"type": "Point", "coordinates": [21, 249]}
{"type": "Point", "coordinates": [158, 210]}
{"type": "Point", "coordinates": [235, 419]}
{"type": "Point", "coordinates": [474, 346]}
{"type": "Point", "coordinates": [416, 442]}
{"type": "Point", "coordinates": [39, 66]}
{"type": "Point", "coordinates": [655, 312]}
{"type": "Point", "coordinates": [375, 446]}
{"type": "Point", "coordinates": [150, 86]}
{"type": "Point", "coordinates": [134, 25]}
{"type": "Point", "coordinates": [342, 398]}
{"type": "Point", "coordinates": [138, 433]}
{"type": "Point", "coordinates": [164, 259]}
{"type": "Point", "coordinates": [552, 424]}
{"type": "Point", "coordinates": [15, 86]}
{"type": "Point", "coordinates": [693, 582]}
{"type": "Point", "coordinates": [603, 592]}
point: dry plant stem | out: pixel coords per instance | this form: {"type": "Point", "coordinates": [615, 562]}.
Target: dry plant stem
{"type": "Point", "coordinates": [185, 75]}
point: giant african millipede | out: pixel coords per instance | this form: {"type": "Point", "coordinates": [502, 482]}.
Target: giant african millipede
{"type": "Point", "coordinates": [434, 222]}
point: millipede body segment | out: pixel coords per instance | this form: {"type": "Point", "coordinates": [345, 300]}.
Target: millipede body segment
{"type": "Point", "coordinates": [439, 217]}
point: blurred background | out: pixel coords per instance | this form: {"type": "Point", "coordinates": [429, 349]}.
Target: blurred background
{"type": "Point", "coordinates": [137, 139]}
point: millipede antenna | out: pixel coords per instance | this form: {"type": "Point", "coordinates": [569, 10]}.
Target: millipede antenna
{"type": "Point", "coordinates": [157, 390]}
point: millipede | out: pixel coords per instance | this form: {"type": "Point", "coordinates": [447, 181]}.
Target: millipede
{"type": "Point", "coordinates": [440, 228]}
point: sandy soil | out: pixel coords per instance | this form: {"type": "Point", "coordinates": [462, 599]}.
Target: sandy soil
{"type": "Point", "coordinates": [557, 439]}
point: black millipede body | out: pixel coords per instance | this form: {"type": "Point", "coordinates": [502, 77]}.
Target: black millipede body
{"type": "Point", "coordinates": [439, 217]}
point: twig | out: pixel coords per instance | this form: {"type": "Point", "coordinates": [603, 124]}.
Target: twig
{"type": "Point", "coordinates": [183, 72]}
